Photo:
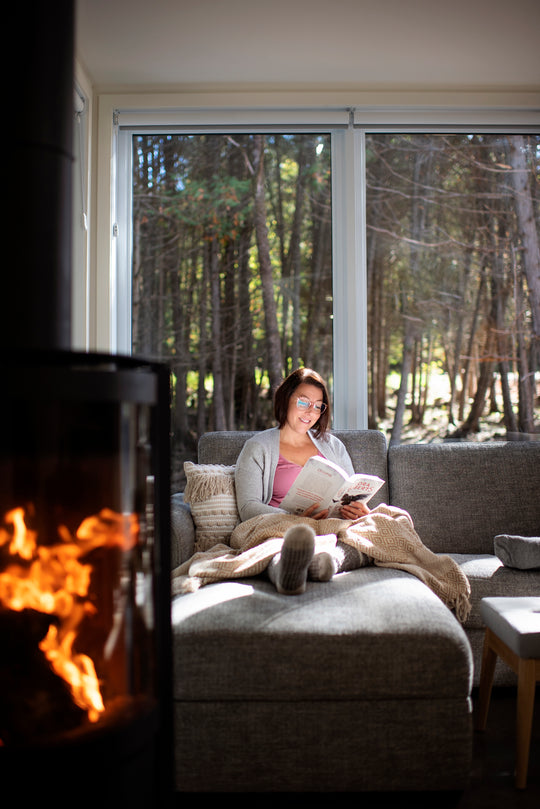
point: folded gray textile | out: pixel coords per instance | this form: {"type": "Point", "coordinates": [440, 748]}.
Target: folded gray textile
{"type": "Point", "coordinates": [516, 551]}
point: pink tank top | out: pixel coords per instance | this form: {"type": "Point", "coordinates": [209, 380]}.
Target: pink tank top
{"type": "Point", "coordinates": [286, 474]}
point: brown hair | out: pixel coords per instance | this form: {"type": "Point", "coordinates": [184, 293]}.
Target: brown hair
{"type": "Point", "coordinates": [287, 388]}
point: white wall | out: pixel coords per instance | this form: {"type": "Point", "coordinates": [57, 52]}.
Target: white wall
{"type": "Point", "coordinates": [141, 46]}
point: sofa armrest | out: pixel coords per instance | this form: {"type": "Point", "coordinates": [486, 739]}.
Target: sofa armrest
{"type": "Point", "coordinates": [182, 531]}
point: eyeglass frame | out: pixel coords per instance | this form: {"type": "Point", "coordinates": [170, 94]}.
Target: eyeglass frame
{"type": "Point", "coordinates": [309, 405]}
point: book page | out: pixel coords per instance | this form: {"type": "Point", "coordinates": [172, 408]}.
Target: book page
{"type": "Point", "coordinates": [315, 484]}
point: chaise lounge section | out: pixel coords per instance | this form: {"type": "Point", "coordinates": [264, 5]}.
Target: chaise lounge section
{"type": "Point", "coordinates": [363, 683]}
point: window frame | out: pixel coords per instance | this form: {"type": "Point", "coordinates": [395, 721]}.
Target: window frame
{"type": "Point", "coordinates": [347, 127]}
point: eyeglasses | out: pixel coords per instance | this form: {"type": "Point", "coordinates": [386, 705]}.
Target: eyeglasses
{"type": "Point", "coordinates": [304, 404]}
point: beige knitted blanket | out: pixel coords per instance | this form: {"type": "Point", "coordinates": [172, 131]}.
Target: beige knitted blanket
{"type": "Point", "coordinates": [386, 535]}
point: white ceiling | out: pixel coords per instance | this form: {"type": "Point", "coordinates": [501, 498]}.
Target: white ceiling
{"type": "Point", "coordinates": [362, 44]}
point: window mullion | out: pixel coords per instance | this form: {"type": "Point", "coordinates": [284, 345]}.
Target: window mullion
{"type": "Point", "coordinates": [349, 281]}
{"type": "Point", "coordinates": [122, 233]}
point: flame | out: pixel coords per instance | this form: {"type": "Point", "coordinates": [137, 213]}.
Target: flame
{"type": "Point", "coordinates": [53, 580]}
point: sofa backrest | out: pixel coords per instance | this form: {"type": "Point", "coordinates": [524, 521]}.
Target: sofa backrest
{"type": "Point", "coordinates": [367, 449]}
{"type": "Point", "coordinates": [461, 495]}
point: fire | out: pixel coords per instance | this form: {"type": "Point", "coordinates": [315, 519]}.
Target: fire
{"type": "Point", "coordinates": [52, 579]}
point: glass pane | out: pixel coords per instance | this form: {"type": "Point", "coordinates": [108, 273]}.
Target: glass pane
{"type": "Point", "coordinates": [453, 286]}
{"type": "Point", "coordinates": [232, 272]}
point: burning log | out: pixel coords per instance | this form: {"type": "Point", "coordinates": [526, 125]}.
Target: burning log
{"type": "Point", "coordinates": [34, 701]}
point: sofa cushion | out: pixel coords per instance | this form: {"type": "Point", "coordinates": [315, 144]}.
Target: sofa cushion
{"type": "Point", "coordinates": [368, 634]}
{"type": "Point", "coordinates": [222, 447]}
{"type": "Point", "coordinates": [211, 495]}
{"type": "Point", "coordinates": [489, 577]}
{"type": "Point", "coordinates": [461, 495]}
{"type": "Point", "coordinates": [520, 552]}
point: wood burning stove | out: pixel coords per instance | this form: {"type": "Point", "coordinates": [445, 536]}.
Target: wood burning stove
{"type": "Point", "coordinates": [85, 670]}
{"type": "Point", "coordinates": [84, 575]}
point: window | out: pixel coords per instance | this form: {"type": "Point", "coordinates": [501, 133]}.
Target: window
{"type": "Point", "coordinates": [453, 263]}
{"type": "Point", "coordinates": [232, 269]}
{"type": "Point", "coordinates": [427, 276]}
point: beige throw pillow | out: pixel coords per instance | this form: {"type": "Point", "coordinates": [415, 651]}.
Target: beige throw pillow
{"type": "Point", "coordinates": [211, 495]}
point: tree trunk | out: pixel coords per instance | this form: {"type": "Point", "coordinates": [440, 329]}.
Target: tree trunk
{"type": "Point", "coordinates": [422, 171]}
{"type": "Point", "coordinates": [246, 372]}
{"type": "Point", "coordinates": [466, 373]}
{"type": "Point", "coordinates": [375, 275]}
{"type": "Point", "coordinates": [526, 377]}
{"type": "Point", "coordinates": [527, 227]}
{"type": "Point", "coordinates": [218, 401]}
{"type": "Point", "coordinates": [273, 348]}
{"type": "Point", "coordinates": [510, 421]}
{"type": "Point", "coordinates": [454, 367]}
{"type": "Point", "coordinates": [294, 257]}
{"type": "Point", "coordinates": [472, 422]}
{"type": "Point", "coordinates": [406, 365]}
{"type": "Point", "coordinates": [203, 351]}
{"type": "Point", "coordinates": [179, 364]}
{"type": "Point", "coordinates": [317, 336]}
{"type": "Point", "coordinates": [531, 261]}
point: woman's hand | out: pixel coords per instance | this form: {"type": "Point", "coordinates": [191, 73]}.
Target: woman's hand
{"type": "Point", "coordinates": [320, 515]}
{"type": "Point", "coordinates": [351, 511]}
{"type": "Point", "coordinates": [354, 510]}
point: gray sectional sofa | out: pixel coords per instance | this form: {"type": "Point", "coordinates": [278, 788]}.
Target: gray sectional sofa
{"type": "Point", "coordinates": [362, 683]}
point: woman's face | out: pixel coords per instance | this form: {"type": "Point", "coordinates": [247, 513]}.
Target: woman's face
{"type": "Point", "coordinates": [303, 419]}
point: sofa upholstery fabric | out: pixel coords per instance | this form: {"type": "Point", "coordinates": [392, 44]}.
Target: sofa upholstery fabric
{"type": "Point", "coordinates": [362, 683]}
{"type": "Point", "coordinates": [460, 495]}
{"type": "Point", "coordinates": [298, 641]}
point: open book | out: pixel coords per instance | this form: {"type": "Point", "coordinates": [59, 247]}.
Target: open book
{"type": "Point", "coordinates": [324, 482]}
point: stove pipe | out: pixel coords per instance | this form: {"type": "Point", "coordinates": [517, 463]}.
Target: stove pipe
{"type": "Point", "coordinates": [36, 311]}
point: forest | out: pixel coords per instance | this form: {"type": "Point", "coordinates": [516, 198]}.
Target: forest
{"type": "Point", "coordinates": [232, 276]}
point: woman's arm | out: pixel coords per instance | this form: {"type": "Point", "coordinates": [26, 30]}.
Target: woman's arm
{"type": "Point", "coordinates": [335, 450]}
{"type": "Point", "coordinates": [254, 477]}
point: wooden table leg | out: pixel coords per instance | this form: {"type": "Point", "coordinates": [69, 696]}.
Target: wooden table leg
{"type": "Point", "coordinates": [525, 708]}
{"type": "Point", "coordinates": [489, 658]}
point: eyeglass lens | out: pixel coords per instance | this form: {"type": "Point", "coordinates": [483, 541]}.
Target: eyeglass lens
{"type": "Point", "coordinates": [305, 404]}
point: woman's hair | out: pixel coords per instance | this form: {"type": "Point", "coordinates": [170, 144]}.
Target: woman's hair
{"type": "Point", "coordinates": [286, 390]}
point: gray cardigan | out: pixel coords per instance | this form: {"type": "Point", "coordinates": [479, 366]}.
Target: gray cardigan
{"type": "Point", "coordinates": [257, 463]}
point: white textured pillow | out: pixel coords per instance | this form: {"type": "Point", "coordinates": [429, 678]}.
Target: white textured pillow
{"type": "Point", "coordinates": [211, 495]}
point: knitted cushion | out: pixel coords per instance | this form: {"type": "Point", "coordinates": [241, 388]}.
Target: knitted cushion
{"type": "Point", "coordinates": [211, 495]}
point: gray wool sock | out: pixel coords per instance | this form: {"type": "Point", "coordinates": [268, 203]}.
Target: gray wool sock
{"type": "Point", "coordinates": [343, 557]}
{"type": "Point", "coordinates": [322, 567]}
{"type": "Point", "coordinates": [348, 558]}
{"type": "Point", "coordinates": [288, 569]}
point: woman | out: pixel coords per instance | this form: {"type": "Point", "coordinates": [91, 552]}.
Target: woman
{"type": "Point", "coordinates": [267, 538]}
{"type": "Point", "coordinates": [269, 463]}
